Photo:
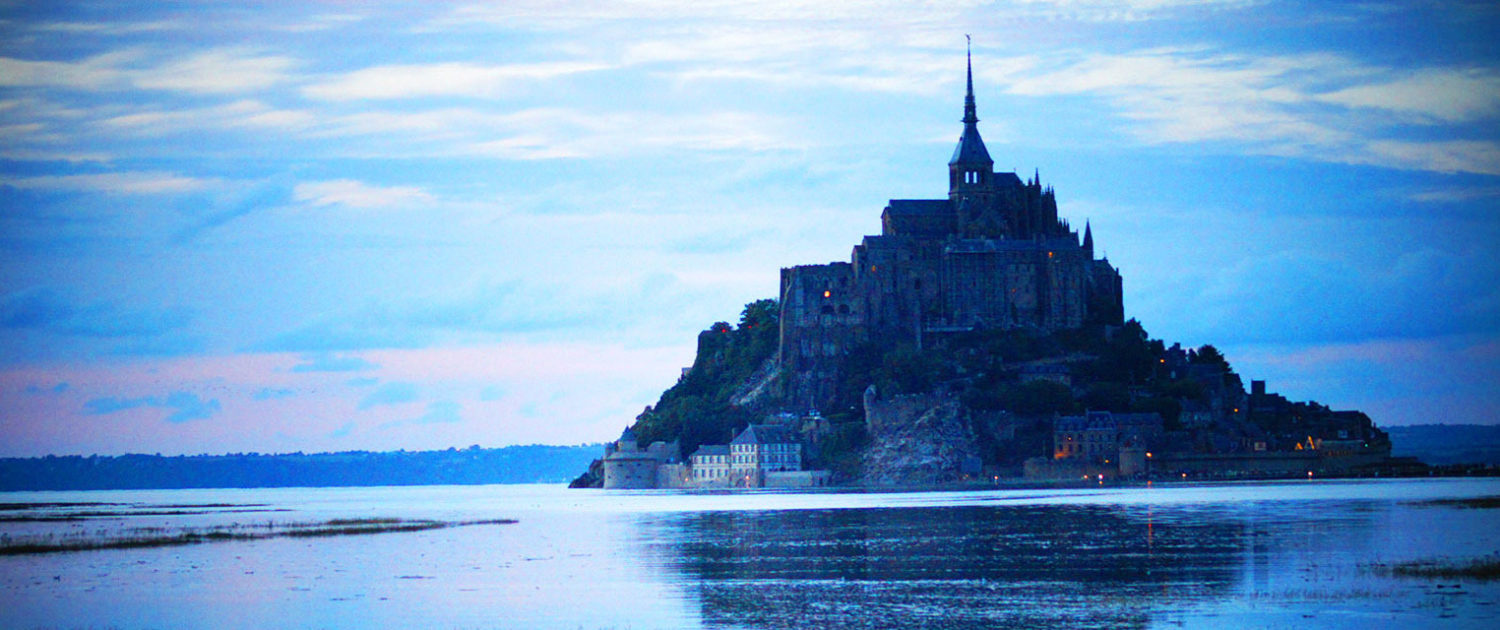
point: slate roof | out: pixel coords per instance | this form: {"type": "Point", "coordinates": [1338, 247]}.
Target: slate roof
{"type": "Point", "coordinates": [970, 149]}
{"type": "Point", "coordinates": [764, 434]}
{"type": "Point", "coordinates": [711, 449]}
{"type": "Point", "coordinates": [918, 206]}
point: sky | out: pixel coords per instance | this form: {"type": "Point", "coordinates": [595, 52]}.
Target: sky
{"type": "Point", "coordinates": [326, 226]}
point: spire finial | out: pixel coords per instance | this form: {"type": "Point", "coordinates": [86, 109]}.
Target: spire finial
{"type": "Point", "coordinates": [970, 114]}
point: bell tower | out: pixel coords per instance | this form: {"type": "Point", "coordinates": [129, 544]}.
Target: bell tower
{"type": "Point", "coordinates": [971, 171]}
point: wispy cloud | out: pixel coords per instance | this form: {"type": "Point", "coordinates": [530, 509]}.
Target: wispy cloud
{"type": "Point", "coordinates": [441, 79]}
{"type": "Point", "coordinates": [99, 72]}
{"type": "Point", "coordinates": [237, 115]}
{"type": "Point", "coordinates": [123, 183]}
{"type": "Point", "coordinates": [390, 394]}
{"type": "Point", "coordinates": [1456, 195]}
{"type": "Point", "coordinates": [222, 71]}
{"type": "Point", "coordinates": [333, 363]}
{"type": "Point", "coordinates": [217, 71]}
{"type": "Point", "coordinates": [551, 133]}
{"type": "Point", "coordinates": [185, 406]}
{"type": "Point", "coordinates": [1429, 96]}
{"type": "Point", "coordinates": [1277, 104]}
{"type": "Point", "coordinates": [273, 393]}
{"type": "Point", "coordinates": [438, 412]}
{"type": "Point", "coordinates": [48, 310]}
{"type": "Point", "coordinates": [355, 194]}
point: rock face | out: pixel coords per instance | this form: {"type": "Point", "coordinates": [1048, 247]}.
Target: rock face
{"type": "Point", "coordinates": [916, 440]}
{"type": "Point", "coordinates": [591, 478]}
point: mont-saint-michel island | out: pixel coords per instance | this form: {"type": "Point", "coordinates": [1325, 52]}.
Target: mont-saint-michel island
{"type": "Point", "coordinates": [1125, 314]}
{"type": "Point", "coordinates": [979, 338]}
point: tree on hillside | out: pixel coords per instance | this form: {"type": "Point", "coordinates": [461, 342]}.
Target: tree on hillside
{"type": "Point", "coordinates": [1209, 355]}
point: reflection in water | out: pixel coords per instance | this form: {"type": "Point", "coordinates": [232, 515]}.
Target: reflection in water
{"type": "Point", "coordinates": [955, 567]}
{"type": "Point", "coordinates": [1191, 556]}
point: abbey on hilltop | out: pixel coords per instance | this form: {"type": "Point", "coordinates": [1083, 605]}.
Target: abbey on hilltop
{"type": "Point", "coordinates": [975, 338]}
{"type": "Point", "coordinates": [993, 254]}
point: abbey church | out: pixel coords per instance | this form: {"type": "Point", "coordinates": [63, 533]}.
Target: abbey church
{"type": "Point", "coordinates": [993, 254]}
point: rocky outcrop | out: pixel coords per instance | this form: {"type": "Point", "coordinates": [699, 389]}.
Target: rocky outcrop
{"type": "Point", "coordinates": [759, 387]}
{"type": "Point", "coordinates": [591, 478]}
{"type": "Point", "coordinates": [916, 440]}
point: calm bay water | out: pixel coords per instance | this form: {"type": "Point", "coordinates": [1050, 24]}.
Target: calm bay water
{"type": "Point", "coordinates": [1297, 554]}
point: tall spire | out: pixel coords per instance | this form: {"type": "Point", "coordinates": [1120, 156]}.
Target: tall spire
{"type": "Point", "coordinates": [1088, 238]}
{"type": "Point", "coordinates": [970, 156]}
{"type": "Point", "coordinates": [971, 114]}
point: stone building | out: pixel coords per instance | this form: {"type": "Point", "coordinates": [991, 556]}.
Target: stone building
{"type": "Point", "coordinates": [993, 254]}
{"type": "Point", "coordinates": [762, 449]}
{"type": "Point", "coordinates": [710, 465]}
{"type": "Point", "coordinates": [628, 466]}
{"type": "Point", "coordinates": [1118, 440]}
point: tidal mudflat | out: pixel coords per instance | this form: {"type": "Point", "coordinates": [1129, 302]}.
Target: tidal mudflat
{"type": "Point", "coordinates": [1395, 553]}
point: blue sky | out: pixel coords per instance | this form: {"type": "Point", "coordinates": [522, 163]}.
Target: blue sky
{"type": "Point", "coordinates": [233, 227]}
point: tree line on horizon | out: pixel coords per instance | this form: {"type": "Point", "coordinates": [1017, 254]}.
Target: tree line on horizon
{"type": "Point", "coordinates": [535, 463]}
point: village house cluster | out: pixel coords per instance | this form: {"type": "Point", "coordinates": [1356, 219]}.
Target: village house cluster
{"type": "Point", "coordinates": [761, 456]}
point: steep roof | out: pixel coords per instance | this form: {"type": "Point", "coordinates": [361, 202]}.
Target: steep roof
{"type": "Point", "coordinates": [970, 148]}
{"type": "Point", "coordinates": [905, 207]}
{"type": "Point", "coordinates": [764, 434]}
{"type": "Point", "coordinates": [711, 449]}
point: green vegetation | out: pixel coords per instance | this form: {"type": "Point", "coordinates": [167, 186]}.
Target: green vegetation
{"type": "Point", "coordinates": [698, 410]}
{"type": "Point", "coordinates": [472, 465]}
{"type": "Point", "coordinates": [147, 537]}
{"type": "Point", "coordinates": [1483, 503]}
{"type": "Point", "coordinates": [1484, 569]}
{"type": "Point", "coordinates": [999, 376]}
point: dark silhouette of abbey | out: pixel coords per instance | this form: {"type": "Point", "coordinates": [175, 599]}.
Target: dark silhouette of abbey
{"type": "Point", "coordinates": [991, 255]}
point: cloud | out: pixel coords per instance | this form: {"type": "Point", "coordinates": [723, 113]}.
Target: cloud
{"type": "Point", "coordinates": [331, 363]}
{"type": "Point", "coordinates": [390, 394]}
{"type": "Point", "coordinates": [94, 73]}
{"type": "Point", "coordinates": [438, 412]}
{"type": "Point", "coordinates": [110, 28]}
{"type": "Point", "coordinates": [441, 79]}
{"type": "Point", "coordinates": [272, 393]}
{"type": "Point", "coordinates": [354, 194]}
{"type": "Point", "coordinates": [554, 15]}
{"type": "Point", "coordinates": [222, 71]}
{"type": "Point", "coordinates": [1280, 104]}
{"type": "Point", "coordinates": [1430, 95]}
{"type": "Point", "coordinates": [1328, 300]}
{"type": "Point", "coordinates": [185, 406]}
{"type": "Point", "coordinates": [477, 312]}
{"type": "Point", "coordinates": [190, 407]}
{"type": "Point", "coordinates": [125, 183]}
{"type": "Point", "coordinates": [219, 71]}
{"type": "Point", "coordinates": [45, 309]}
{"type": "Point", "coordinates": [55, 389]}
{"type": "Point", "coordinates": [1452, 156]}
{"type": "Point", "coordinates": [1456, 195]}
{"type": "Point", "coordinates": [547, 133]}
{"type": "Point", "coordinates": [244, 114]}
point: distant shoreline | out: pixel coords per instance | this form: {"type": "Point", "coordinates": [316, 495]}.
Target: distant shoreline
{"type": "Point", "coordinates": [470, 466]}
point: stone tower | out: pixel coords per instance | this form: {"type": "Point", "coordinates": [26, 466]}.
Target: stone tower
{"type": "Point", "coordinates": [991, 255]}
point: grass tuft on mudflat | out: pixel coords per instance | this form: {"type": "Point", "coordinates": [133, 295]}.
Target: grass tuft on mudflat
{"type": "Point", "coordinates": [1483, 569]}
{"type": "Point", "coordinates": [161, 537]}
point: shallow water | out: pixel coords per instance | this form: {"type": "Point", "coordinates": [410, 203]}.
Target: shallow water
{"type": "Point", "coordinates": [1303, 554]}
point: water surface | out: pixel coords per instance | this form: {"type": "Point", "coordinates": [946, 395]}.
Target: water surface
{"type": "Point", "coordinates": [1305, 554]}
